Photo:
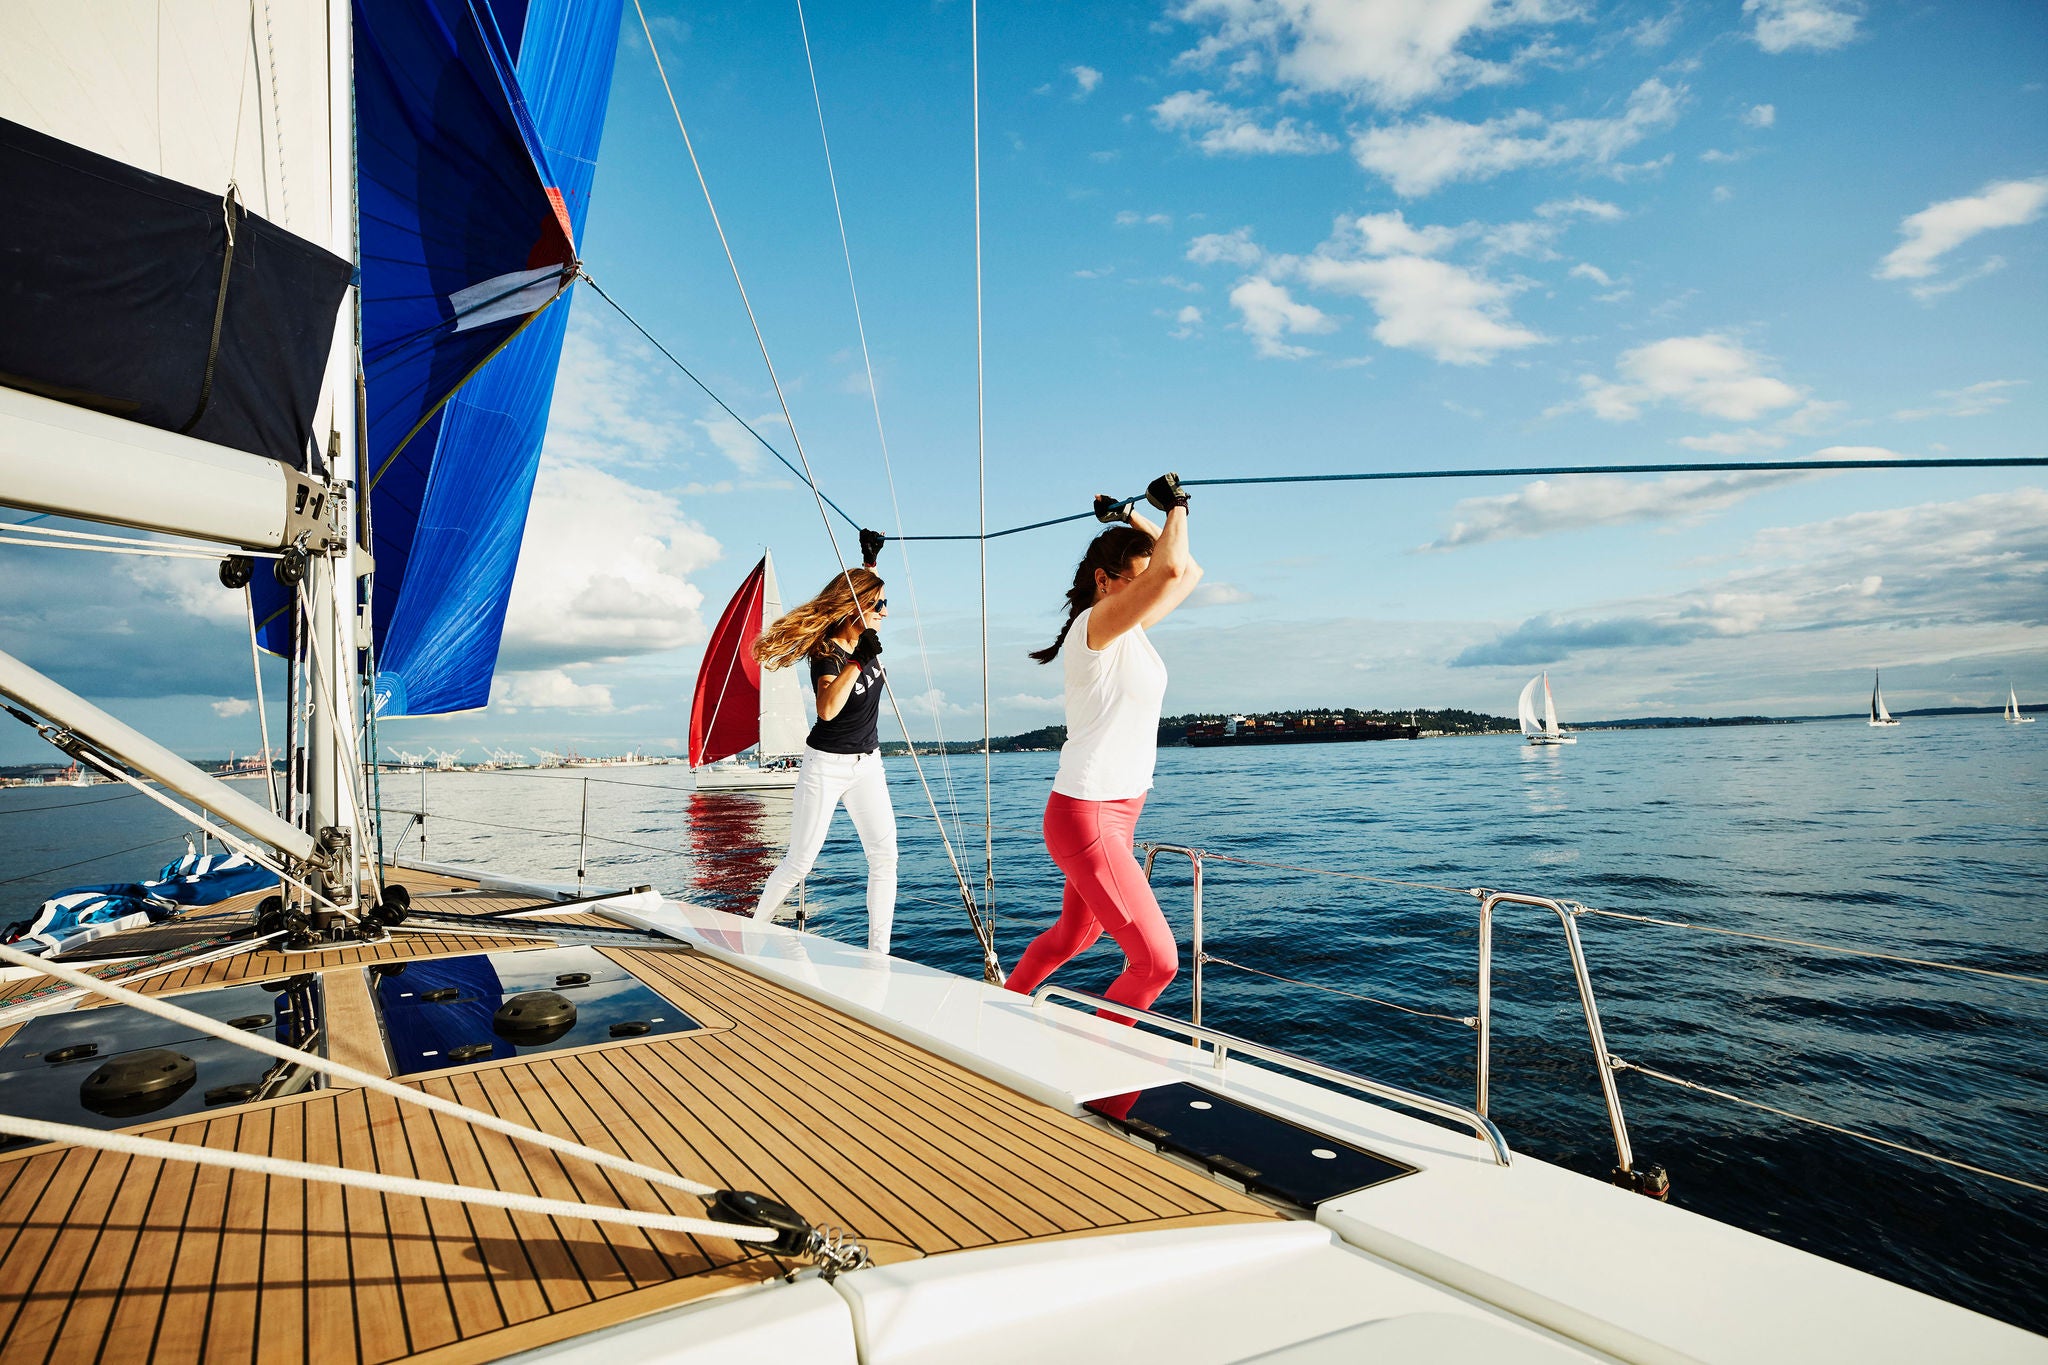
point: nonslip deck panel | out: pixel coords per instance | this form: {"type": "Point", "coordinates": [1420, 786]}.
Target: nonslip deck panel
{"type": "Point", "coordinates": [109, 1258]}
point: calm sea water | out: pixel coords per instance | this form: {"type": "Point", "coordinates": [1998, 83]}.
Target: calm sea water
{"type": "Point", "coordinates": [1927, 841]}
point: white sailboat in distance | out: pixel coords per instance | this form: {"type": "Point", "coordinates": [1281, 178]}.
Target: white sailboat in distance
{"type": "Point", "coordinates": [739, 705]}
{"type": "Point", "coordinates": [1878, 715]}
{"type": "Point", "coordinates": [2012, 709]}
{"type": "Point", "coordinates": [1543, 730]}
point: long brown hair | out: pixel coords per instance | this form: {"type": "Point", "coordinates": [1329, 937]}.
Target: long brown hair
{"type": "Point", "coordinates": [799, 633]}
{"type": "Point", "coordinates": [1112, 552]}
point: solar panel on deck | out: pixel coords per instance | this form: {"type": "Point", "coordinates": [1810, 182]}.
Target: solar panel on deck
{"type": "Point", "coordinates": [1265, 1154]}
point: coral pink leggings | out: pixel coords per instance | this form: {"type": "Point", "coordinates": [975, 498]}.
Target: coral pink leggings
{"type": "Point", "coordinates": [1106, 891]}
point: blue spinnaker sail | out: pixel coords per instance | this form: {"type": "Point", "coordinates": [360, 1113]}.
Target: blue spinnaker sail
{"type": "Point", "coordinates": [478, 124]}
{"type": "Point", "coordinates": [439, 633]}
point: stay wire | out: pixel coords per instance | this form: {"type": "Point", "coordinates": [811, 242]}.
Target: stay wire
{"type": "Point", "coordinates": [881, 435]}
{"type": "Point", "coordinates": [1545, 471]}
{"type": "Point", "coordinates": [710, 393]}
{"type": "Point", "coordinates": [988, 889]}
{"type": "Point", "coordinates": [991, 968]}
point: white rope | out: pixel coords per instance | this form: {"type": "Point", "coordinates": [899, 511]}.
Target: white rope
{"type": "Point", "coordinates": [988, 811]}
{"type": "Point", "coordinates": [990, 967]}
{"type": "Point", "coordinates": [277, 1167]}
{"type": "Point", "coordinates": [107, 549]}
{"type": "Point", "coordinates": [881, 436]}
{"type": "Point", "coordinates": [348, 1075]}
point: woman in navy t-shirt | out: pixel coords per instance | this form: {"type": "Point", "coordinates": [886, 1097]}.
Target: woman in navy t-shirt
{"type": "Point", "coordinates": [835, 632]}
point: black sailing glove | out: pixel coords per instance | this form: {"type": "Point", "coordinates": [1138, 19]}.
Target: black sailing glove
{"type": "Point", "coordinates": [868, 648]}
{"type": "Point", "coordinates": [871, 543]}
{"type": "Point", "coordinates": [1165, 493]}
{"type": "Point", "coordinates": [1111, 511]}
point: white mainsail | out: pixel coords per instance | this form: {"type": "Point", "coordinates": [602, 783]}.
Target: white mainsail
{"type": "Point", "coordinates": [205, 93]}
{"type": "Point", "coordinates": [2012, 708]}
{"type": "Point", "coordinates": [1549, 709]}
{"type": "Point", "coordinates": [1878, 715]}
{"type": "Point", "coordinates": [1526, 707]}
{"type": "Point", "coordinates": [783, 724]}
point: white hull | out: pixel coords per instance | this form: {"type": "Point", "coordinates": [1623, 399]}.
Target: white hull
{"type": "Point", "coordinates": [744, 777]}
{"type": "Point", "coordinates": [1553, 739]}
{"type": "Point", "coordinates": [1881, 723]}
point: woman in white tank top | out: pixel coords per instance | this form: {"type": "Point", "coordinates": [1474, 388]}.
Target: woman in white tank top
{"type": "Point", "coordinates": [1132, 577]}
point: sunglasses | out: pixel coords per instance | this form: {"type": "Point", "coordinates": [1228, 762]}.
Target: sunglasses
{"type": "Point", "coordinates": [879, 603]}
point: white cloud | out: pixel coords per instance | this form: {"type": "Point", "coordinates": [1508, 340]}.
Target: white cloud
{"type": "Point", "coordinates": [1580, 206]}
{"type": "Point", "coordinates": [1650, 34]}
{"type": "Point", "coordinates": [1583, 271]}
{"type": "Point", "coordinates": [1225, 248]}
{"type": "Point", "coordinates": [1708, 374]}
{"type": "Point", "coordinates": [1422, 156]}
{"type": "Point", "coordinates": [1027, 701]}
{"type": "Point", "coordinates": [1390, 53]}
{"type": "Point", "coordinates": [1219, 129]}
{"type": "Point", "coordinates": [1782, 25]}
{"type": "Point", "coordinates": [1745, 442]}
{"type": "Point", "coordinates": [1973, 400]}
{"type": "Point", "coordinates": [1760, 115]}
{"type": "Point", "coordinates": [1449, 312]}
{"type": "Point", "coordinates": [1722, 194]}
{"type": "Point", "coordinates": [1086, 78]}
{"type": "Point", "coordinates": [1218, 595]}
{"type": "Point", "coordinates": [1132, 218]}
{"type": "Point", "coordinates": [1271, 313]}
{"type": "Point", "coordinates": [547, 689]}
{"type": "Point", "coordinates": [604, 571]}
{"type": "Point", "coordinates": [1547, 507]}
{"type": "Point", "coordinates": [1942, 227]}
{"type": "Point", "coordinates": [1970, 575]}
{"type": "Point", "coordinates": [734, 441]}
{"type": "Point", "coordinates": [1388, 234]}
{"type": "Point", "coordinates": [1188, 323]}
{"type": "Point", "coordinates": [233, 706]}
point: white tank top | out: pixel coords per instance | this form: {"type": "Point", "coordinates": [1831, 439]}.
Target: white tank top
{"type": "Point", "coordinates": [1113, 698]}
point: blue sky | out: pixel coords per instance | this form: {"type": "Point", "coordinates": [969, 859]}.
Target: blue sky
{"type": "Point", "coordinates": [1236, 237]}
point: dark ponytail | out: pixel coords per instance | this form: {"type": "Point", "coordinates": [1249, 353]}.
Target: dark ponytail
{"type": "Point", "coordinates": [1112, 552]}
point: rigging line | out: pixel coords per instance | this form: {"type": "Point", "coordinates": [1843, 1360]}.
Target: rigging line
{"type": "Point", "coordinates": [1806, 943]}
{"type": "Point", "coordinates": [116, 549]}
{"type": "Point", "coordinates": [991, 969]}
{"type": "Point", "coordinates": [272, 1167]}
{"type": "Point", "coordinates": [1549, 471]}
{"type": "Point", "coordinates": [988, 777]}
{"type": "Point", "coordinates": [881, 436]}
{"type": "Point", "coordinates": [1619, 1065]}
{"type": "Point", "coordinates": [262, 714]}
{"type": "Point", "coordinates": [1467, 1020]}
{"type": "Point", "coordinates": [725, 407]}
{"type": "Point", "coordinates": [24, 528]}
{"type": "Point", "coordinates": [96, 858]}
{"type": "Point", "coordinates": [67, 805]}
{"type": "Point", "coordinates": [52, 996]}
{"type": "Point", "coordinates": [348, 1075]}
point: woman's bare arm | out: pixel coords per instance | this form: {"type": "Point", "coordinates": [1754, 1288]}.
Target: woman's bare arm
{"type": "Point", "coordinates": [1153, 594]}
{"type": "Point", "coordinates": [833, 691]}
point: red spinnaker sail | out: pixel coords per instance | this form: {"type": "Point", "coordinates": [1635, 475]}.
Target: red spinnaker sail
{"type": "Point", "coordinates": [725, 715]}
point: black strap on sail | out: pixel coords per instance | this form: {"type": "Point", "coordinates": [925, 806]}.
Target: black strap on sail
{"type": "Point", "coordinates": [230, 205]}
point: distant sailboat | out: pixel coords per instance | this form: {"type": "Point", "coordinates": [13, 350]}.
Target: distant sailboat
{"type": "Point", "coordinates": [1544, 730]}
{"type": "Point", "coordinates": [737, 707]}
{"type": "Point", "coordinates": [1878, 715]}
{"type": "Point", "coordinates": [2012, 709]}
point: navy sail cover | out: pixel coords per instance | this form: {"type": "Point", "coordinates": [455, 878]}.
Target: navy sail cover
{"type": "Point", "coordinates": [110, 282]}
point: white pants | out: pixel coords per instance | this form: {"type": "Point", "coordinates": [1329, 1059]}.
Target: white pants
{"type": "Point", "coordinates": [857, 782]}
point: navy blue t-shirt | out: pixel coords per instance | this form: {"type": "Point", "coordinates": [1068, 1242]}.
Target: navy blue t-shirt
{"type": "Point", "coordinates": [854, 730]}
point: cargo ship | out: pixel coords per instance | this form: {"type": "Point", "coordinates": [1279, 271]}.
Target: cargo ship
{"type": "Point", "coordinates": [1293, 730]}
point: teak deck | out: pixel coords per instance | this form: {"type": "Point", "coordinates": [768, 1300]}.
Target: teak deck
{"type": "Point", "coordinates": [113, 1259]}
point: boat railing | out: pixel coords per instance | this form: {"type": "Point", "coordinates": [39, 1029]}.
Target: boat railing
{"type": "Point", "coordinates": [1223, 1045]}
{"type": "Point", "coordinates": [1604, 1063]}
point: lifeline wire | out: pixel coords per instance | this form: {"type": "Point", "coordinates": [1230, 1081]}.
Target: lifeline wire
{"type": "Point", "coordinates": [1546, 471]}
{"type": "Point", "coordinates": [990, 967]}
{"type": "Point", "coordinates": [988, 778]}
{"type": "Point", "coordinates": [1619, 1065]}
{"type": "Point", "coordinates": [881, 436]}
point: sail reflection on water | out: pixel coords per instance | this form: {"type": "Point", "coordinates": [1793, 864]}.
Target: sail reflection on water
{"type": "Point", "coordinates": [735, 840]}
